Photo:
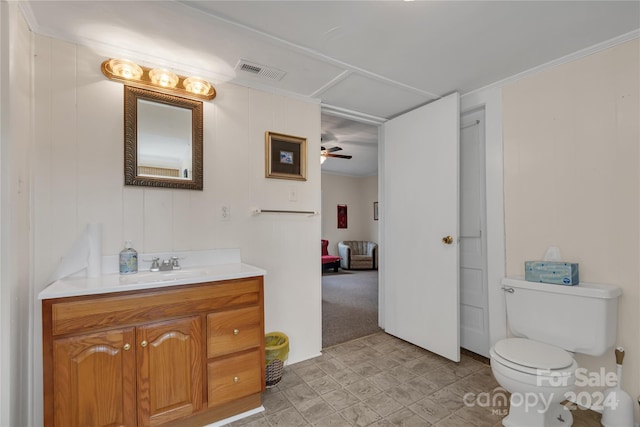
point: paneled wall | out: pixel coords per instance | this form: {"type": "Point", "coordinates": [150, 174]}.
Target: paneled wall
{"type": "Point", "coordinates": [16, 294]}
{"type": "Point", "coordinates": [77, 169]}
{"type": "Point", "coordinates": [572, 180]}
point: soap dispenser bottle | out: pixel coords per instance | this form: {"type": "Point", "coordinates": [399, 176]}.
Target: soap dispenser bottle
{"type": "Point", "coordinates": [128, 259]}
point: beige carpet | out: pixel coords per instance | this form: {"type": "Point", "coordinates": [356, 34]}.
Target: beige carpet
{"type": "Point", "coordinates": [349, 305]}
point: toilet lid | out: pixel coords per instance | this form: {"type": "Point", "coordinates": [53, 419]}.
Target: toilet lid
{"type": "Point", "coordinates": [533, 354]}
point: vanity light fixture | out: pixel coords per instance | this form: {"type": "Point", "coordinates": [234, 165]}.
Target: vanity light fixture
{"type": "Point", "coordinates": [158, 79]}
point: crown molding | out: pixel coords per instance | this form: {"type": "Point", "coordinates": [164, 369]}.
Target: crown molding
{"type": "Point", "coordinates": [574, 56]}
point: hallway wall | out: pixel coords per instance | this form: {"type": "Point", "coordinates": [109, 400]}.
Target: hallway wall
{"type": "Point", "coordinates": [358, 193]}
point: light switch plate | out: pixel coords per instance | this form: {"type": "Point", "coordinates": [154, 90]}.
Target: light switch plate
{"type": "Point", "coordinates": [293, 194]}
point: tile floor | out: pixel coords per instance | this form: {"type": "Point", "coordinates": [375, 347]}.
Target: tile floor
{"type": "Point", "coordinates": [382, 381]}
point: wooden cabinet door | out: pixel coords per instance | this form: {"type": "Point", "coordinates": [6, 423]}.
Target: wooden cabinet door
{"type": "Point", "coordinates": [94, 379]}
{"type": "Point", "coordinates": [169, 370]}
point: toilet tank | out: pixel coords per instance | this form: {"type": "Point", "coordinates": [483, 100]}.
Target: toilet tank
{"type": "Point", "coordinates": [580, 318]}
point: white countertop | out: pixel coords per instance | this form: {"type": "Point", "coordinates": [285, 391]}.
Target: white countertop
{"type": "Point", "coordinates": [115, 282]}
{"type": "Point", "coordinates": [75, 286]}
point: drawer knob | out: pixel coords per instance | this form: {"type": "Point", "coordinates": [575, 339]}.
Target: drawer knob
{"type": "Point", "coordinates": [236, 331]}
{"type": "Point", "coordinates": [236, 379]}
{"type": "Point", "coordinates": [144, 343]}
{"type": "Point", "coordinates": [127, 346]}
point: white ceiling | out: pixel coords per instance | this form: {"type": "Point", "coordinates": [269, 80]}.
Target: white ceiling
{"type": "Point", "coordinates": [372, 59]}
{"type": "Point", "coordinates": [356, 139]}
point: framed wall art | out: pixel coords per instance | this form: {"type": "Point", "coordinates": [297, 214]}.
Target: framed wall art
{"type": "Point", "coordinates": [342, 216]}
{"type": "Point", "coordinates": [286, 156]}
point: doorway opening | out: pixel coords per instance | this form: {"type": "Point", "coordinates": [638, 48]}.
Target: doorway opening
{"type": "Point", "coordinates": [349, 176]}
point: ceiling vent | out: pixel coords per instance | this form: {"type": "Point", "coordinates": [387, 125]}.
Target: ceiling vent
{"type": "Point", "coordinates": [260, 70]}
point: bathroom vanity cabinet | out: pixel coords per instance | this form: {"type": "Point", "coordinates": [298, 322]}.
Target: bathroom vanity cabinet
{"type": "Point", "coordinates": [174, 355]}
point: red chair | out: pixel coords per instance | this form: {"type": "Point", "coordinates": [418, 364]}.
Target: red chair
{"type": "Point", "coordinates": [329, 261]}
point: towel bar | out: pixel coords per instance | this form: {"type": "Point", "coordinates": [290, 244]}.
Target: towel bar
{"type": "Point", "coordinates": [259, 211]}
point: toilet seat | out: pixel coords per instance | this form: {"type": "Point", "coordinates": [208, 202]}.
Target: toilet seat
{"type": "Point", "coordinates": [533, 357]}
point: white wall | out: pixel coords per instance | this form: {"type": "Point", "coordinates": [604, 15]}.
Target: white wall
{"type": "Point", "coordinates": [16, 300]}
{"type": "Point", "coordinates": [77, 169]}
{"type": "Point", "coordinates": [358, 193]}
{"type": "Point", "coordinates": [572, 180]}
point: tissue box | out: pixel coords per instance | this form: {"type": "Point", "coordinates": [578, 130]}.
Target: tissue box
{"type": "Point", "coordinates": [557, 273]}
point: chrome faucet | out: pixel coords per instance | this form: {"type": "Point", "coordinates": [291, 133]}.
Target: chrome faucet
{"type": "Point", "coordinates": [172, 263]}
{"type": "Point", "coordinates": [166, 265]}
{"type": "Point", "coordinates": [175, 263]}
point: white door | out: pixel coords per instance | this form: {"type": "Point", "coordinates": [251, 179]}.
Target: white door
{"type": "Point", "coordinates": [420, 213]}
{"type": "Point", "coordinates": [474, 314]}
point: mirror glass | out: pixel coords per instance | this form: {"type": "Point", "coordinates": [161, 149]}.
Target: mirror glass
{"type": "Point", "coordinates": [163, 140]}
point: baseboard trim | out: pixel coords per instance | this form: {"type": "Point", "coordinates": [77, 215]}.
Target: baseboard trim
{"type": "Point", "coordinates": [237, 417]}
{"type": "Point", "coordinates": [298, 360]}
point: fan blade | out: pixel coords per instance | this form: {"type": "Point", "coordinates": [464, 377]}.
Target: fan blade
{"type": "Point", "coordinates": [332, 149]}
{"type": "Point", "coordinates": [340, 156]}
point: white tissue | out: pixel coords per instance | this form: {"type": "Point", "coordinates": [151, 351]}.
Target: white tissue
{"type": "Point", "coordinates": [552, 254]}
{"type": "Point", "coordinates": [86, 253]}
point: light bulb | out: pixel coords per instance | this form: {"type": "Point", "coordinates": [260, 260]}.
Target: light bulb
{"type": "Point", "coordinates": [196, 85]}
{"type": "Point", "coordinates": [163, 77]}
{"type": "Point", "coordinates": [125, 69]}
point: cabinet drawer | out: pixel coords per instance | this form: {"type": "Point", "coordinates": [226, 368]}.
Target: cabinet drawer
{"type": "Point", "coordinates": [233, 330]}
{"type": "Point", "coordinates": [234, 377]}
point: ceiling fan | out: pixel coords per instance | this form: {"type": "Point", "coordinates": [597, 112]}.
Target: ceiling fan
{"type": "Point", "coordinates": [328, 152]}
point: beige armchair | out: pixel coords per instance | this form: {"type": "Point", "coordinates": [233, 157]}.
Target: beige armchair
{"type": "Point", "coordinates": [358, 254]}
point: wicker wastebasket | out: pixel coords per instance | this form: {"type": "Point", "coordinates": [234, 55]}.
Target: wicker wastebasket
{"type": "Point", "coordinates": [276, 351]}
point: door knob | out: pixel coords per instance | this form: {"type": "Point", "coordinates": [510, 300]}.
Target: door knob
{"type": "Point", "coordinates": [127, 346]}
{"type": "Point", "coordinates": [144, 343]}
{"type": "Point", "coordinates": [236, 331]}
{"type": "Point", "coordinates": [447, 240]}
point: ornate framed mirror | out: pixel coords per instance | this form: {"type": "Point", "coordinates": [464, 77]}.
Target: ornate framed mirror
{"type": "Point", "coordinates": [162, 140]}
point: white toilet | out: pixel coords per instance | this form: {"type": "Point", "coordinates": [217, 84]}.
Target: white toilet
{"type": "Point", "coordinates": [549, 323]}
